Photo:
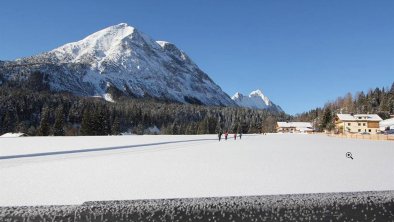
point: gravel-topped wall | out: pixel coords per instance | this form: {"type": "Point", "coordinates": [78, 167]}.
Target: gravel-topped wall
{"type": "Point", "coordinates": [360, 206]}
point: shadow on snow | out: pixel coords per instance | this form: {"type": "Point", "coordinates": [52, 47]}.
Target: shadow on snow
{"type": "Point", "coordinates": [97, 149]}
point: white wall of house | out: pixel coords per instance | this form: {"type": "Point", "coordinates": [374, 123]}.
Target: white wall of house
{"type": "Point", "coordinates": [358, 127]}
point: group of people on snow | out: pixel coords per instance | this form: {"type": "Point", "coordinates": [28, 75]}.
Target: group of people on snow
{"type": "Point", "coordinates": [226, 135]}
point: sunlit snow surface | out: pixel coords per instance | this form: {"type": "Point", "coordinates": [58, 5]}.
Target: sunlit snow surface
{"type": "Point", "coordinates": [72, 170]}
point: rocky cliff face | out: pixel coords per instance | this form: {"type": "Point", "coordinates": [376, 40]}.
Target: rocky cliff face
{"type": "Point", "coordinates": [120, 60]}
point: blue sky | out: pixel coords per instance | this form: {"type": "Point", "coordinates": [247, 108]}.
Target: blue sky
{"type": "Point", "coordinates": [300, 53]}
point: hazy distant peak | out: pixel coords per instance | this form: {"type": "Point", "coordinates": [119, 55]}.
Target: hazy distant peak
{"type": "Point", "coordinates": [259, 93]}
{"type": "Point", "coordinates": [255, 100]}
{"type": "Point", "coordinates": [237, 95]}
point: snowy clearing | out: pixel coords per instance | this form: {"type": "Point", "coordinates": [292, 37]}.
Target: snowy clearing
{"type": "Point", "coordinates": [72, 170]}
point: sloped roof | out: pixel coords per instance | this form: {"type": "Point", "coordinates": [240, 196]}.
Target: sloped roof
{"type": "Point", "coordinates": [359, 117]}
{"type": "Point", "coordinates": [307, 129]}
{"type": "Point", "coordinates": [13, 135]}
{"type": "Point", "coordinates": [387, 122]}
{"type": "Point", "coordinates": [295, 124]}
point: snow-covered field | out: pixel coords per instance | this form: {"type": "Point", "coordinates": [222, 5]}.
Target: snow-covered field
{"type": "Point", "coordinates": [72, 170]}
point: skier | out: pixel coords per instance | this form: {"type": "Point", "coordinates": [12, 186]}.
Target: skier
{"type": "Point", "coordinates": [235, 136]}
{"type": "Point", "coordinates": [240, 136]}
{"type": "Point", "coordinates": [220, 135]}
{"type": "Point", "coordinates": [225, 135]}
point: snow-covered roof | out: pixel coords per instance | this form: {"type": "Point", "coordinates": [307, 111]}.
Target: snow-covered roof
{"type": "Point", "coordinates": [295, 124]}
{"type": "Point", "coordinates": [359, 117]}
{"type": "Point", "coordinates": [13, 135]}
{"type": "Point", "coordinates": [307, 129]}
{"type": "Point", "coordinates": [387, 122]}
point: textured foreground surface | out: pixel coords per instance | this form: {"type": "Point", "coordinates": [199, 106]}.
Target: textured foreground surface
{"type": "Point", "coordinates": [363, 206]}
{"type": "Point", "coordinates": [74, 170]}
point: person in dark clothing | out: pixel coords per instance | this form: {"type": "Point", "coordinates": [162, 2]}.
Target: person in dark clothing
{"type": "Point", "coordinates": [225, 135]}
{"type": "Point", "coordinates": [220, 136]}
{"type": "Point", "coordinates": [235, 136]}
{"type": "Point", "coordinates": [240, 136]}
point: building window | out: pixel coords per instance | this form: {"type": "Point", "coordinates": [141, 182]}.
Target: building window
{"type": "Point", "coordinates": [348, 124]}
{"type": "Point", "coordinates": [359, 124]}
{"type": "Point", "coordinates": [359, 130]}
{"type": "Point", "coordinates": [363, 124]}
{"type": "Point", "coordinates": [369, 130]}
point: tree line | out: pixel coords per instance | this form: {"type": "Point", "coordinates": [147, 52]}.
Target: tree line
{"type": "Point", "coordinates": [376, 101]}
{"type": "Point", "coordinates": [38, 111]}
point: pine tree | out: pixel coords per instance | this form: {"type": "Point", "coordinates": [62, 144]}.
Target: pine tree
{"type": "Point", "coordinates": [86, 129]}
{"type": "Point", "coordinates": [211, 122]}
{"type": "Point", "coordinates": [175, 128]}
{"type": "Point", "coordinates": [327, 119]}
{"type": "Point", "coordinates": [92, 116]}
{"type": "Point", "coordinates": [191, 129]}
{"type": "Point", "coordinates": [99, 122]}
{"type": "Point", "coordinates": [115, 128]}
{"type": "Point", "coordinates": [202, 127]}
{"type": "Point", "coordinates": [218, 127]}
{"type": "Point", "coordinates": [392, 89]}
{"type": "Point", "coordinates": [58, 127]}
{"type": "Point", "coordinates": [239, 129]}
{"type": "Point", "coordinates": [44, 122]}
{"type": "Point", "coordinates": [8, 122]}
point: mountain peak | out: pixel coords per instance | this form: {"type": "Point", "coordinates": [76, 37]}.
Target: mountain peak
{"type": "Point", "coordinates": [257, 92]}
{"type": "Point", "coordinates": [109, 34]}
{"type": "Point", "coordinates": [100, 46]}
{"type": "Point", "coordinates": [121, 25]}
{"type": "Point", "coordinates": [123, 61]}
{"type": "Point", "coordinates": [237, 95]}
{"type": "Point", "coordinates": [255, 100]}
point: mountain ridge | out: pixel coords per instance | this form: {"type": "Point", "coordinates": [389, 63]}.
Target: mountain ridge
{"type": "Point", "coordinates": [123, 58]}
{"type": "Point", "coordinates": [255, 100]}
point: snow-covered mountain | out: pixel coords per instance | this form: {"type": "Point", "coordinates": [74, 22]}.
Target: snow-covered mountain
{"type": "Point", "coordinates": [255, 100]}
{"type": "Point", "coordinates": [120, 60]}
